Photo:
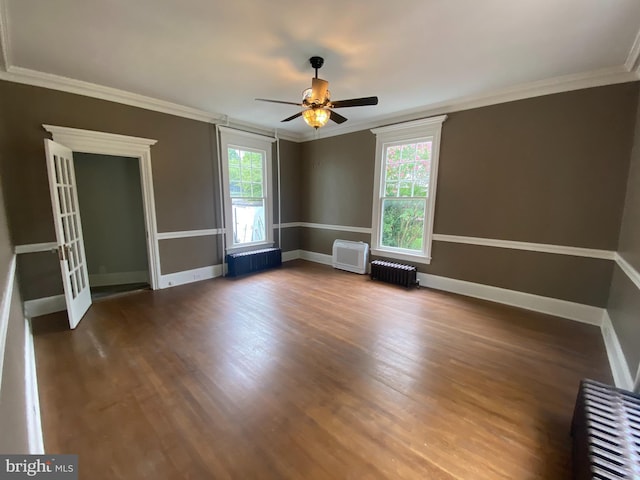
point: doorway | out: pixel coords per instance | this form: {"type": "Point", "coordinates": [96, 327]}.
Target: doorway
{"type": "Point", "coordinates": [62, 184]}
{"type": "Point", "coordinates": [112, 213]}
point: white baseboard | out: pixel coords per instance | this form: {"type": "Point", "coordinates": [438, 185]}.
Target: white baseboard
{"type": "Point", "coordinates": [617, 361]}
{"type": "Point", "coordinates": [189, 276]}
{"type": "Point", "coordinates": [552, 306]}
{"type": "Point", "coordinates": [34, 422]}
{"type": "Point", "coordinates": [44, 306]}
{"type": "Point", "coordinates": [290, 255]}
{"type": "Point", "coordinates": [118, 278]}
{"type": "Point", "coordinates": [316, 257]}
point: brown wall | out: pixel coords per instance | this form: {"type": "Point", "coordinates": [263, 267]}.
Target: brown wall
{"type": "Point", "coordinates": [290, 177]}
{"type": "Point", "coordinates": [550, 170]}
{"type": "Point", "coordinates": [180, 254]}
{"type": "Point", "coordinates": [337, 179]}
{"type": "Point", "coordinates": [624, 303]}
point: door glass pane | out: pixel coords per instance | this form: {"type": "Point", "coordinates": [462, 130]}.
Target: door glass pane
{"type": "Point", "coordinates": [56, 164]}
{"type": "Point", "coordinates": [67, 196]}
{"type": "Point", "coordinates": [65, 229]}
{"type": "Point", "coordinates": [403, 223]}
{"type": "Point", "coordinates": [74, 289]}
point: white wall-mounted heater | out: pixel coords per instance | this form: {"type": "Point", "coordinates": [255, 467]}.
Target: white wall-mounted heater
{"type": "Point", "coordinates": [350, 256]}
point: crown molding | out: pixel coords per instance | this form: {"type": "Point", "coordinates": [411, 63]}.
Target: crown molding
{"type": "Point", "coordinates": [566, 83]}
{"type": "Point", "coordinates": [79, 87]}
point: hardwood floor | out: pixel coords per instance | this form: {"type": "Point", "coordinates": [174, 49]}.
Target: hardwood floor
{"type": "Point", "coordinates": [306, 372]}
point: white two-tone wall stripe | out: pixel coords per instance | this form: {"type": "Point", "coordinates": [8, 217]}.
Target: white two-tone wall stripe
{"type": "Point", "coordinates": [190, 233]}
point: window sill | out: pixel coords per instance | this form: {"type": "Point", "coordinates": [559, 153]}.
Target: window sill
{"type": "Point", "coordinates": [248, 248]}
{"type": "Point", "coordinates": [401, 256]}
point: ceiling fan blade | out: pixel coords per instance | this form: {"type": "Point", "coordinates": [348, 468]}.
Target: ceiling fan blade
{"type": "Point", "coordinates": [336, 117]}
{"type": "Point", "coordinates": [278, 101]}
{"type": "Point", "coordinates": [288, 119]}
{"type": "Point", "coordinates": [318, 90]}
{"type": "Point", "coordinates": [355, 102]}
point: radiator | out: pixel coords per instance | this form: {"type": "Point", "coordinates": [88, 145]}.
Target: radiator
{"type": "Point", "coordinates": [606, 433]}
{"type": "Point", "coordinates": [254, 261]}
{"type": "Point", "coordinates": [350, 256]}
{"type": "Point", "coordinates": [396, 273]}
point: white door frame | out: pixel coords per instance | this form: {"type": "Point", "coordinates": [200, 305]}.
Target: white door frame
{"type": "Point", "coordinates": [89, 141]}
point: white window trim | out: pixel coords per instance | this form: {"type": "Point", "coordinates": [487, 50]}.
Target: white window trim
{"type": "Point", "coordinates": [403, 132]}
{"type": "Point", "coordinates": [253, 141]}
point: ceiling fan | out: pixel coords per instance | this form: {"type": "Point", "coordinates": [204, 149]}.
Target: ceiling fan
{"type": "Point", "coordinates": [317, 103]}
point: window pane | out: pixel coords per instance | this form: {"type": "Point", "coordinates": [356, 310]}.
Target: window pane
{"type": "Point", "coordinates": [245, 173]}
{"type": "Point", "coordinates": [236, 189]}
{"type": "Point", "coordinates": [421, 190]}
{"type": "Point", "coordinates": [248, 220]}
{"type": "Point", "coordinates": [403, 223]}
{"type": "Point", "coordinates": [393, 153]}
{"type": "Point", "coordinates": [391, 189]}
{"type": "Point", "coordinates": [409, 152]}
{"type": "Point", "coordinates": [234, 173]}
{"type": "Point", "coordinates": [393, 172]}
{"type": "Point", "coordinates": [421, 172]}
{"type": "Point", "coordinates": [246, 160]}
{"type": "Point", "coordinates": [406, 171]}
{"type": "Point", "coordinates": [256, 161]}
{"type": "Point", "coordinates": [234, 156]}
{"type": "Point", "coordinates": [256, 175]}
{"type": "Point", "coordinates": [256, 190]}
{"type": "Point", "coordinates": [405, 189]}
{"type": "Point", "coordinates": [423, 151]}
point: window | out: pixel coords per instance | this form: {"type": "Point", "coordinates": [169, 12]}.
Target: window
{"type": "Point", "coordinates": [246, 171]}
{"type": "Point", "coordinates": [405, 189]}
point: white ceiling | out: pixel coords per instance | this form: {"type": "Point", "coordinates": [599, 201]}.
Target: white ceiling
{"type": "Point", "coordinates": [416, 55]}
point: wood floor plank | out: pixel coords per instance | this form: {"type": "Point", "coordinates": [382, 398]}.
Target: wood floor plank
{"type": "Point", "coordinates": [306, 372]}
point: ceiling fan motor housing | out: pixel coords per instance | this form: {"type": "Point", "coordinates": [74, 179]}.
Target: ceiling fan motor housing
{"type": "Point", "coordinates": [316, 62]}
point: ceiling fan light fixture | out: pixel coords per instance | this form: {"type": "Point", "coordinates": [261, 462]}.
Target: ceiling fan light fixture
{"type": "Point", "coordinates": [316, 117]}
